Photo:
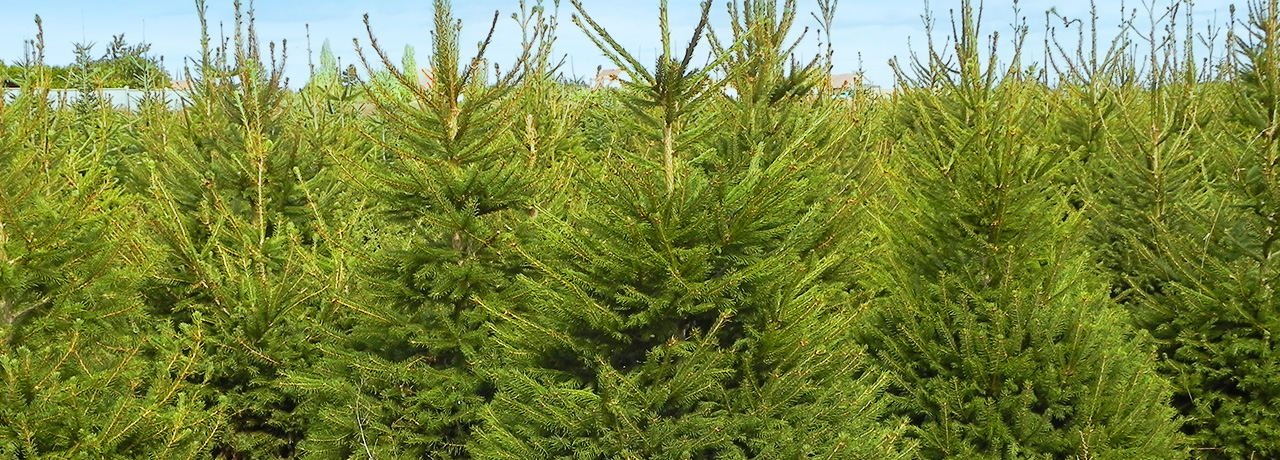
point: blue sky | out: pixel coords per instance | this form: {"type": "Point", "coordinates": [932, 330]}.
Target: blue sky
{"type": "Point", "coordinates": [866, 35]}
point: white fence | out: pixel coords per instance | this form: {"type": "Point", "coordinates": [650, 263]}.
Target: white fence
{"type": "Point", "coordinates": [124, 99]}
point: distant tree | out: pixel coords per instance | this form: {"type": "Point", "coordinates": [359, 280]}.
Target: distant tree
{"type": "Point", "coordinates": [350, 76]}
{"type": "Point", "coordinates": [82, 79]}
{"type": "Point", "coordinates": [121, 66]}
{"type": "Point", "coordinates": [126, 65]}
{"type": "Point", "coordinates": [9, 75]}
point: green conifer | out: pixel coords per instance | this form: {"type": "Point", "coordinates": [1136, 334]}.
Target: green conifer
{"type": "Point", "coordinates": [1216, 320]}
{"type": "Point", "coordinates": [234, 197]}
{"type": "Point", "coordinates": [1000, 336]}
{"type": "Point", "coordinates": [1138, 140]}
{"type": "Point", "coordinates": [81, 373]}
{"type": "Point", "coordinates": [455, 171]}
{"type": "Point", "coordinates": [689, 308]}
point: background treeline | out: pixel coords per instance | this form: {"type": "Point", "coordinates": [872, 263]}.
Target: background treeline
{"type": "Point", "coordinates": [723, 258]}
{"type": "Point", "coordinates": [121, 65]}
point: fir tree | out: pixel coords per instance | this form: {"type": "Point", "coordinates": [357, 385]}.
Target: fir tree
{"type": "Point", "coordinates": [81, 372]}
{"type": "Point", "coordinates": [689, 309]}
{"type": "Point", "coordinates": [455, 171]}
{"type": "Point", "coordinates": [233, 198]}
{"type": "Point", "coordinates": [1215, 320]}
{"type": "Point", "coordinates": [550, 109]}
{"type": "Point", "coordinates": [1137, 144]}
{"type": "Point", "coordinates": [1000, 336]}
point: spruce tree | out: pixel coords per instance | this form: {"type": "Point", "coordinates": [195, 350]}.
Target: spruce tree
{"type": "Point", "coordinates": [82, 372]}
{"type": "Point", "coordinates": [689, 308]}
{"type": "Point", "coordinates": [235, 206]}
{"type": "Point", "coordinates": [1215, 320]}
{"type": "Point", "coordinates": [999, 334]}
{"type": "Point", "coordinates": [549, 108]}
{"type": "Point", "coordinates": [455, 171]}
{"type": "Point", "coordinates": [1138, 139]}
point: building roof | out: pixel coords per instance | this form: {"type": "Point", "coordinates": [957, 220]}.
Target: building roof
{"type": "Point", "coordinates": [606, 78]}
{"type": "Point", "coordinates": [846, 81]}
